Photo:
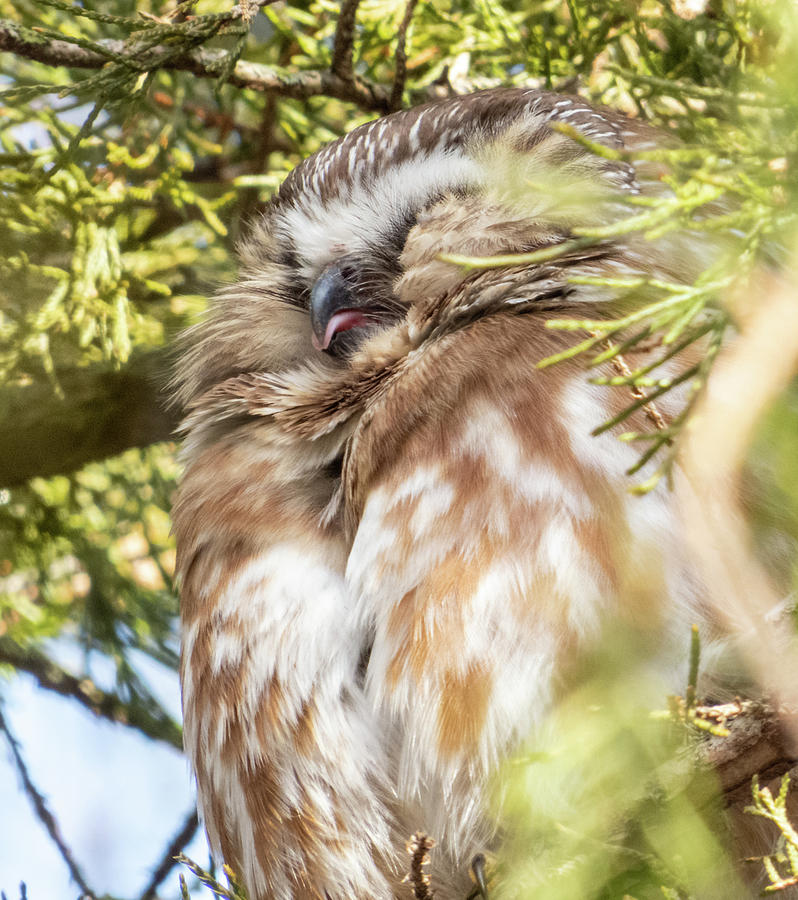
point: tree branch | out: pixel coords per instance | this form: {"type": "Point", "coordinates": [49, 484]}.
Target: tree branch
{"type": "Point", "coordinates": [102, 413]}
{"type": "Point", "coordinates": [400, 74]}
{"type": "Point", "coordinates": [343, 45]}
{"type": "Point", "coordinates": [43, 813]}
{"type": "Point", "coordinates": [759, 743]}
{"type": "Point", "coordinates": [204, 63]}
{"type": "Point", "coordinates": [154, 723]}
{"type": "Point", "coordinates": [169, 859]}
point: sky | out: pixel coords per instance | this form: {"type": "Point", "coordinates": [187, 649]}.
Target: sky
{"type": "Point", "coordinates": [118, 797]}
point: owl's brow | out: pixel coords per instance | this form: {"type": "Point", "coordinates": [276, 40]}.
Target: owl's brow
{"type": "Point", "coordinates": [443, 125]}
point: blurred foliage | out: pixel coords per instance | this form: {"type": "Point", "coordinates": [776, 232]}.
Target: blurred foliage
{"type": "Point", "coordinates": [607, 803]}
{"type": "Point", "coordinates": [91, 554]}
{"type": "Point", "coordinates": [772, 490]}
{"type": "Point", "coordinates": [123, 189]}
{"type": "Point", "coordinates": [774, 809]}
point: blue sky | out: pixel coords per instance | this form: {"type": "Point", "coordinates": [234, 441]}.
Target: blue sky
{"type": "Point", "coordinates": [118, 797]}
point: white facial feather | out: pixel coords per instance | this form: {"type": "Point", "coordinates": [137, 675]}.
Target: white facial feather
{"type": "Point", "coordinates": [355, 222]}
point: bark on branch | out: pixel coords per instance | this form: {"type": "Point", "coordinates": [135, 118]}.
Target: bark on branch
{"type": "Point", "coordinates": [400, 75]}
{"type": "Point", "coordinates": [344, 43]}
{"type": "Point", "coordinates": [204, 63]}
{"type": "Point", "coordinates": [759, 743]}
{"type": "Point", "coordinates": [102, 413]}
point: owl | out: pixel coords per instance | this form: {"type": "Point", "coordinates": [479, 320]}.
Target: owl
{"type": "Point", "coordinates": [396, 534]}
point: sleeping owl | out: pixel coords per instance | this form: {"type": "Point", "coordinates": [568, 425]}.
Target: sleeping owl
{"type": "Point", "coordinates": [395, 533]}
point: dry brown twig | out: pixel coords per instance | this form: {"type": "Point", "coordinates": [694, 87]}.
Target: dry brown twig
{"type": "Point", "coordinates": [621, 367]}
{"type": "Point", "coordinates": [650, 409]}
{"type": "Point", "coordinates": [419, 847]}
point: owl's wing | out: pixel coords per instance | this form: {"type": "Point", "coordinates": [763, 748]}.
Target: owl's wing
{"type": "Point", "coordinates": [490, 541]}
{"type": "Point", "coordinates": [288, 768]}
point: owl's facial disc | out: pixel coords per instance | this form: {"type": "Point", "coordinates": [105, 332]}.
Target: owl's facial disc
{"type": "Point", "coordinates": [337, 308]}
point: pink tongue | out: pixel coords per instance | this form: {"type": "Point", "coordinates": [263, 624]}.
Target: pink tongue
{"type": "Point", "coordinates": [341, 321]}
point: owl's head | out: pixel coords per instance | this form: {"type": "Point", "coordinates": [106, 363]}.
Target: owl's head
{"type": "Point", "coordinates": [480, 174]}
{"type": "Point", "coordinates": [347, 257]}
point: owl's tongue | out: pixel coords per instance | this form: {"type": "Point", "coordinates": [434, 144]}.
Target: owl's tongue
{"type": "Point", "coordinates": [343, 320]}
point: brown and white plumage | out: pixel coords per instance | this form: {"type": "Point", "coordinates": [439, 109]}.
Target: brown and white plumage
{"type": "Point", "coordinates": [390, 551]}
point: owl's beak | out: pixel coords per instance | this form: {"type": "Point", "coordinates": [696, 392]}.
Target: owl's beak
{"type": "Point", "coordinates": [332, 308]}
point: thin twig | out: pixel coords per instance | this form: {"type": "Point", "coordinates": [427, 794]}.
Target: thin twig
{"type": "Point", "coordinates": [154, 724]}
{"type": "Point", "coordinates": [23, 892]}
{"type": "Point", "coordinates": [170, 856]}
{"type": "Point", "coordinates": [650, 409]}
{"type": "Point", "coordinates": [400, 75]}
{"type": "Point", "coordinates": [419, 847]}
{"type": "Point", "coordinates": [344, 43]}
{"type": "Point", "coordinates": [43, 813]}
{"type": "Point", "coordinates": [620, 365]}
